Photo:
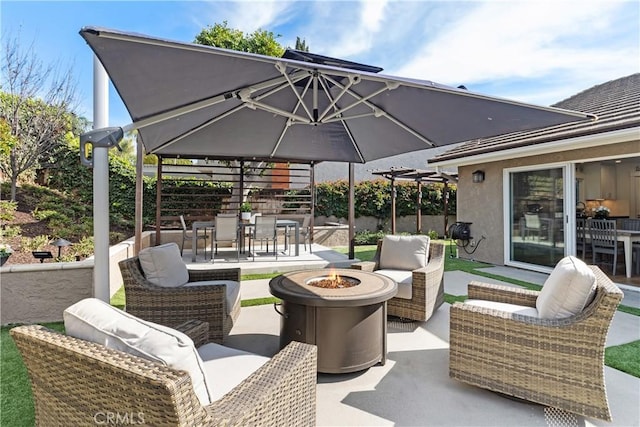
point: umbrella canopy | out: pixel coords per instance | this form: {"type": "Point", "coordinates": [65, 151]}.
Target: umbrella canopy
{"type": "Point", "coordinates": [193, 100]}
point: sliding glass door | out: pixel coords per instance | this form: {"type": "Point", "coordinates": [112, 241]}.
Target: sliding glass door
{"type": "Point", "coordinates": [535, 210]}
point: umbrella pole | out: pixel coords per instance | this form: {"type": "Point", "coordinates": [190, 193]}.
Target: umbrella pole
{"type": "Point", "coordinates": [445, 190]}
{"type": "Point", "coordinates": [139, 197]}
{"type": "Point", "coordinates": [158, 199]}
{"type": "Point", "coordinates": [419, 210]}
{"type": "Point", "coordinates": [312, 183]}
{"type": "Point", "coordinates": [352, 212]}
{"type": "Point", "coordinates": [393, 205]}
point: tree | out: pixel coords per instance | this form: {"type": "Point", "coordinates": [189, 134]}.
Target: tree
{"type": "Point", "coordinates": [36, 104]}
{"type": "Point", "coordinates": [301, 45]}
{"type": "Point", "coordinates": [260, 41]}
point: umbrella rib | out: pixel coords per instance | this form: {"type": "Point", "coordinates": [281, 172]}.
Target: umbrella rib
{"type": "Point", "coordinates": [344, 90]}
{"type": "Point", "coordinates": [208, 102]}
{"type": "Point", "coordinates": [283, 70]}
{"type": "Point", "coordinates": [346, 128]}
{"type": "Point", "coordinates": [298, 77]}
{"type": "Point", "coordinates": [378, 111]}
{"type": "Point", "coordinates": [288, 123]}
{"type": "Point", "coordinates": [360, 100]}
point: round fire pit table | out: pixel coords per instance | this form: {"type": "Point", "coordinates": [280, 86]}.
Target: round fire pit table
{"type": "Point", "coordinates": [348, 325]}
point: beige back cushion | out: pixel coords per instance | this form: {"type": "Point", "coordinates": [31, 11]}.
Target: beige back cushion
{"type": "Point", "coordinates": [568, 289]}
{"type": "Point", "coordinates": [94, 320]}
{"type": "Point", "coordinates": [163, 266]}
{"type": "Point", "coordinates": [404, 252]}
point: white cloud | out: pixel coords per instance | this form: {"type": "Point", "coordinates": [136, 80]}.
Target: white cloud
{"type": "Point", "coordinates": [530, 50]}
{"type": "Point", "coordinates": [346, 29]}
{"type": "Point", "coordinates": [248, 16]}
{"type": "Point", "coordinates": [522, 39]}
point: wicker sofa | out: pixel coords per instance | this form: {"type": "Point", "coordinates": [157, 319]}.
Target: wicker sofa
{"type": "Point", "coordinates": [78, 382]}
{"type": "Point", "coordinates": [427, 283]}
{"type": "Point", "coordinates": [554, 362]}
{"type": "Point", "coordinates": [172, 306]}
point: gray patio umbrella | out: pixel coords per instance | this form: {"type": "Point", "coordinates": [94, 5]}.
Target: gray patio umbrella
{"type": "Point", "coordinates": [193, 100]}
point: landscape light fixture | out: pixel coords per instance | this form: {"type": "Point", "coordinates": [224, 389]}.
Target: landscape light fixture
{"type": "Point", "coordinates": [60, 243]}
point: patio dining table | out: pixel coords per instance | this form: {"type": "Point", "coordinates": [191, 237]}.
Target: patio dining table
{"type": "Point", "coordinates": [195, 227]}
{"type": "Point", "coordinates": [205, 225]}
{"type": "Point", "coordinates": [628, 238]}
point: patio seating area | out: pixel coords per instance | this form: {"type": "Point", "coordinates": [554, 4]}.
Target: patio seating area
{"type": "Point", "coordinates": [414, 387]}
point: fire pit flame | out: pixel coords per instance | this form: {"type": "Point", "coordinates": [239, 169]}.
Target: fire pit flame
{"type": "Point", "coordinates": [333, 281]}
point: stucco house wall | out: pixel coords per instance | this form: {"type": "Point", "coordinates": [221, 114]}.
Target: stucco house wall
{"type": "Point", "coordinates": [481, 203]}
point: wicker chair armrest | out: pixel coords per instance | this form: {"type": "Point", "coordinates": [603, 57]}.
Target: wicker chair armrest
{"type": "Point", "coordinates": [282, 392]}
{"type": "Point", "coordinates": [431, 271]}
{"type": "Point", "coordinates": [502, 293]}
{"type": "Point", "coordinates": [364, 265]}
{"type": "Point", "coordinates": [188, 294]}
{"type": "Point", "coordinates": [214, 274]}
{"type": "Point", "coordinates": [110, 379]}
{"type": "Point", "coordinates": [197, 330]}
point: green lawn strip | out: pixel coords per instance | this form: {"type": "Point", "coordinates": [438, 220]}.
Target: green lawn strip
{"type": "Point", "coordinates": [16, 399]}
{"type": "Point", "coordinates": [118, 299]}
{"type": "Point", "coordinates": [259, 301]}
{"type": "Point", "coordinates": [448, 298]}
{"type": "Point", "coordinates": [625, 358]}
{"type": "Point", "coordinates": [258, 276]}
{"type": "Point", "coordinates": [631, 310]}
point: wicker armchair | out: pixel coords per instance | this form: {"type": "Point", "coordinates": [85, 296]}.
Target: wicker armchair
{"type": "Point", "coordinates": [554, 362]}
{"type": "Point", "coordinates": [77, 382]}
{"type": "Point", "coordinates": [427, 285]}
{"type": "Point", "coordinates": [173, 306]}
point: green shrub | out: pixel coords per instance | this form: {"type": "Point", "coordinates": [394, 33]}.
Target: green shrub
{"type": "Point", "coordinates": [373, 198]}
{"type": "Point", "coordinates": [366, 237]}
{"type": "Point", "coordinates": [29, 244]}
{"type": "Point", "coordinates": [433, 235]}
{"type": "Point", "coordinates": [84, 247]}
{"type": "Point", "coordinates": [7, 211]}
{"type": "Point", "coordinates": [9, 231]}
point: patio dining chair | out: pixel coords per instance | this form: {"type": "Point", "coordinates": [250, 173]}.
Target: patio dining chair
{"type": "Point", "coordinates": [604, 240]}
{"type": "Point", "coordinates": [264, 230]}
{"type": "Point", "coordinates": [304, 231]}
{"type": "Point", "coordinates": [533, 225]}
{"type": "Point", "coordinates": [634, 225]}
{"type": "Point", "coordinates": [226, 230]}
{"type": "Point", "coordinates": [582, 241]}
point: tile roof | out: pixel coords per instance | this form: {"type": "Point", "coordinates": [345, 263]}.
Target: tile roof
{"type": "Point", "coordinates": [616, 103]}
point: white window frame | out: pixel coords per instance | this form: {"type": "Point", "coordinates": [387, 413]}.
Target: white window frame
{"type": "Point", "coordinates": [569, 207]}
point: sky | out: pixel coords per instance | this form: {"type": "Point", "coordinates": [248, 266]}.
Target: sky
{"type": "Point", "coordinates": [533, 51]}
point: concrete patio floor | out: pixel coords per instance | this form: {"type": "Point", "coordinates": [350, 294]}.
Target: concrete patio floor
{"type": "Point", "coordinates": [413, 388]}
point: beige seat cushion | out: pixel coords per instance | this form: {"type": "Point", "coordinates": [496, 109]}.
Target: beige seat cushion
{"type": "Point", "coordinates": [227, 367]}
{"type": "Point", "coordinates": [403, 278]}
{"type": "Point", "coordinates": [163, 266]}
{"type": "Point", "coordinates": [501, 306]}
{"type": "Point", "coordinates": [568, 289]}
{"type": "Point", "coordinates": [232, 289]}
{"type": "Point", "coordinates": [94, 320]}
{"type": "Point", "coordinates": [404, 252]}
